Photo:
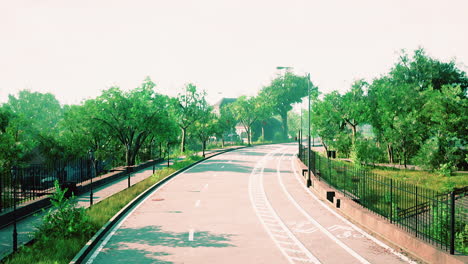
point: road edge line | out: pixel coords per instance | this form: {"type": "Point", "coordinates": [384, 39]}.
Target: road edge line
{"type": "Point", "coordinates": [92, 243]}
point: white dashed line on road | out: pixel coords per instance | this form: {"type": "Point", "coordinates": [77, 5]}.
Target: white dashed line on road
{"type": "Point", "coordinates": [191, 234]}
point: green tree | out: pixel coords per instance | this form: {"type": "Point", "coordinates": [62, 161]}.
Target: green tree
{"type": "Point", "coordinates": [353, 107]}
{"type": "Point", "coordinates": [397, 99]}
{"type": "Point", "coordinates": [33, 123]}
{"type": "Point", "coordinates": [245, 110]}
{"type": "Point", "coordinates": [327, 122]}
{"type": "Point", "coordinates": [9, 150]}
{"type": "Point", "coordinates": [446, 113]}
{"type": "Point", "coordinates": [130, 117]}
{"type": "Point", "coordinates": [424, 72]}
{"type": "Point", "coordinates": [285, 91]}
{"type": "Point", "coordinates": [188, 110]}
{"type": "Point", "coordinates": [81, 131]}
{"type": "Point", "coordinates": [205, 127]}
{"type": "Point", "coordinates": [225, 123]}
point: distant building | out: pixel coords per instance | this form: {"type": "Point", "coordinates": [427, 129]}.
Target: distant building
{"type": "Point", "coordinates": [221, 103]}
{"type": "Point", "coordinates": [239, 129]}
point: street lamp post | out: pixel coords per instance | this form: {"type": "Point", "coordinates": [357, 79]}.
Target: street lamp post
{"type": "Point", "coordinates": [15, 231]}
{"type": "Point", "coordinates": [93, 170]}
{"type": "Point", "coordinates": [309, 181]}
{"type": "Point", "coordinates": [300, 137]}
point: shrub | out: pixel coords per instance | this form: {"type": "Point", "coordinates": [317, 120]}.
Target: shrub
{"type": "Point", "coordinates": [64, 219]}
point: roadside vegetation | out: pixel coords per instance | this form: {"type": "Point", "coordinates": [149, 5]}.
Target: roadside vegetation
{"type": "Point", "coordinates": [426, 179]}
{"type": "Point", "coordinates": [415, 114]}
{"type": "Point", "coordinates": [66, 228]}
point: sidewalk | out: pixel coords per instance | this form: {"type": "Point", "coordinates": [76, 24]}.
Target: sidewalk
{"type": "Point", "coordinates": [26, 226]}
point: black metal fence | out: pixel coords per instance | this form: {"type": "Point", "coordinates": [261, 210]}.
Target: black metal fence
{"type": "Point", "coordinates": [36, 181]}
{"type": "Point", "coordinates": [438, 218]}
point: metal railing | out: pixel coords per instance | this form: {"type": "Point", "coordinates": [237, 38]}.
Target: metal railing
{"type": "Point", "coordinates": [438, 218]}
{"type": "Point", "coordinates": [23, 184]}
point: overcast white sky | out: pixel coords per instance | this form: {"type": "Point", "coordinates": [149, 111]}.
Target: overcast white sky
{"type": "Point", "coordinates": [75, 49]}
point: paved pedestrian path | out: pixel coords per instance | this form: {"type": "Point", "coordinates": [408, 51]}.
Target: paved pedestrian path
{"type": "Point", "coordinates": [27, 226]}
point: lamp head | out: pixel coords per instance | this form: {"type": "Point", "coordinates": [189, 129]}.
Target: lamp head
{"type": "Point", "coordinates": [283, 68]}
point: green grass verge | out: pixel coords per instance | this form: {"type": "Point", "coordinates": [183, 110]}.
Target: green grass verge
{"type": "Point", "coordinates": [425, 179]}
{"type": "Point", "coordinates": [63, 250]}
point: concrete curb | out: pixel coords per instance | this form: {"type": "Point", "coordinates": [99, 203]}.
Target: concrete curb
{"type": "Point", "coordinates": [93, 242]}
{"type": "Point", "coordinates": [377, 225]}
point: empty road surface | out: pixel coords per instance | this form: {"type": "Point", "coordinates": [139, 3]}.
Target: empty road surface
{"type": "Point", "coordinates": [244, 206]}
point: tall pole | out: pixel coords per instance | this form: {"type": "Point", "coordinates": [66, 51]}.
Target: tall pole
{"type": "Point", "coordinates": [299, 138]}
{"type": "Point", "coordinates": [309, 181]}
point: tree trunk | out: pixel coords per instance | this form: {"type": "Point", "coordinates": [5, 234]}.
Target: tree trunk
{"type": "Point", "coordinates": [353, 129]}
{"type": "Point", "coordinates": [160, 149]}
{"type": "Point", "coordinates": [324, 145]}
{"type": "Point", "coordinates": [203, 147]}
{"type": "Point", "coordinates": [128, 155]}
{"type": "Point", "coordinates": [263, 134]}
{"type": "Point", "coordinates": [248, 136]}
{"type": "Point", "coordinates": [390, 153]}
{"type": "Point", "coordinates": [182, 143]}
{"type": "Point", "coordinates": [284, 119]}
{"type": "Point", "coordinates": [222, 142]}
{"type": "Point", "coordinates": [167, 153]}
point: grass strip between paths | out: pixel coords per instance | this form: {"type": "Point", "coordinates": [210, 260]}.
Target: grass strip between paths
{"type": "Point", "coordinates": [63, 250]}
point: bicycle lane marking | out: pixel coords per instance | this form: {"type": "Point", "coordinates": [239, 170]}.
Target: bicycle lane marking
{"type": "Point", "coordinates": [285, 240]}
{"type": "Point", "coordinates": [353, 226]}
{"type": "Point", "coordinates": [312, 220]}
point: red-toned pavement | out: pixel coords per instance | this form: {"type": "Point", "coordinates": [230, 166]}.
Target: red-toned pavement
{"type": "Point", "coordinates": [244, 206]}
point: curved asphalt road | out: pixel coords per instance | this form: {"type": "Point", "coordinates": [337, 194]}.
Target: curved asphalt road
{"type": "Point", "coordinates": [244, 206]}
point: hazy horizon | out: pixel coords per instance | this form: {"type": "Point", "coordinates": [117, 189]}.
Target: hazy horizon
{"type": "Point", "coordinates": [75, 50]}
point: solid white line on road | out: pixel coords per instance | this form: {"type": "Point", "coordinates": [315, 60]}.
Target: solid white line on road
{"type": "Point", "coordinates": [190, 236]}
{"type": "Point", "coordinates": [364, 233]}
{"type": "Point", "coordinates": [197, 203]}
{"type": "Point", "coordinates": [319, 226]}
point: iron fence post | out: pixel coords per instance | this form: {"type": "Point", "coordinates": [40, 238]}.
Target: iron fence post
{"type": "Point", "coordinates": [1, 193]}
{"type": "Point", "coordinates": [344, 180]}
{"type": "Point", "coordinates": [92, 170]}
{"type": "Point", "coordinates": [452, 223]}
{"type": "Point", "coordinates": [417, 214]}
{"type": "Point", "coordinates": [299, 143]}
{"type": "Point", "coordinates": [15, 231]}
{"type": "Point", "coordinates": [391, 200]}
